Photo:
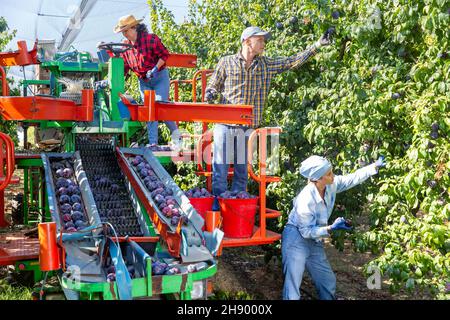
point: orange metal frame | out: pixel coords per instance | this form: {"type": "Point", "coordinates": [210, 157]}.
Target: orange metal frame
{"type": "Point", "coordinates": [21, 57]}
{"type": "Point", "coordinates": [153, 110]}
{"type": "Point", "coordinates": [182, 60]}
{"type": "Point", "coordinates": [5, 88]}
{"type": "Point", "coordinates": [7, 167]}
{"type": "Point", "coordinates": [47, 108]}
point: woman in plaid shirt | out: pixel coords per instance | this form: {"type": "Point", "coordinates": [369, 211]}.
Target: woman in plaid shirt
{"type": "Point", "coordinates": [147, 60]}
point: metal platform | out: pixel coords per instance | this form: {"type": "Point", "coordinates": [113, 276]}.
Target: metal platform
{"type": "Point", "coordinates": [17, 247]}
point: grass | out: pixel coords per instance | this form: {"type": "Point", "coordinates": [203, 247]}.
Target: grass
{"type": "Point", "coordinates": [8, 292]}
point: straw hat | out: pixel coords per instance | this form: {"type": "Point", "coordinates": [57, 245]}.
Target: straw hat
{"type": "Point", "coordinates": [125, 23]}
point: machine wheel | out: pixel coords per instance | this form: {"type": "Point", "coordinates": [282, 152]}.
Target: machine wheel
{"type": "Point", "coordinates": [17, 209]}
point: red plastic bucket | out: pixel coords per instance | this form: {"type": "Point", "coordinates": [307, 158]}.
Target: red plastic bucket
{"type": "Point", "coordinates": [238, 217]}
{"type": "Point", "coordinates": [201, 205]}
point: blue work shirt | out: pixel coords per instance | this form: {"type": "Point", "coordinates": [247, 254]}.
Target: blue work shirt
{"type": "Point", "coordinates": [310, 212]}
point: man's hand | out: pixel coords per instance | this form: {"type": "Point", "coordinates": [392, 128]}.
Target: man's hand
{"type": "Point", "coordinates": [340, 224]}
{"type": "Point", "coordinates": [326, 39]}
{"type": "Point", "coordinates": [152, 73]}
{"type": "Point", "coordinates": [210, 95]}
{"type": "Point", "coordinates": [101, 84]}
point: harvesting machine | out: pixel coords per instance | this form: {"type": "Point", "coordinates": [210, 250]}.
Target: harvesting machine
{"type": "Point", "coordinates": [100, 204]}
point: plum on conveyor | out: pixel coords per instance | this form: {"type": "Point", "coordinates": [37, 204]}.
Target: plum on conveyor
{"type": "Point", "coordinates": [108, 185]}
{"type": "Point", "coordinates": [161, 195]}
{"type": "Point", "coordinates": [68, 196]}
{"type": "Point", "coordinates": [198, 193]}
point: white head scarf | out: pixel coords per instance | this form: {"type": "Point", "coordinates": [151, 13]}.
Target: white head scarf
{"type": "Point", "coordinates": [315, 167]}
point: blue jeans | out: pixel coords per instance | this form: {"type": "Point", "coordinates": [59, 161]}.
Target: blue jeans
{"type": "Point", "coordinates": [161, 85]}
{"type": "Point", "coordinates": [230, 147]}
{"type": "Point", "coordinates": [298, 253]}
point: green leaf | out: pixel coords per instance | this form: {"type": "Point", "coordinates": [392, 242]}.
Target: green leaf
{"type": "Point", "coordinates": [410, 284]}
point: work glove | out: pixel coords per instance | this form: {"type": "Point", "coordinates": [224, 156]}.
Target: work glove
{"type": "Point", "coordinates": [326, 38]}
{"type": "Point", "coordinates": [152, 73]}
{"type": "Point", "coordinates": [380, 162]}
{"type": "Point", "coordinates": [101, 84]}
{"type": "Point", "coordinates": [340, 224]}
{"type": "Point", "coordinates": [210, 95]}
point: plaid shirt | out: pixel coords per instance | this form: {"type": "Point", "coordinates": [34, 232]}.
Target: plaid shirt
{"type": "Point", "coordinates": [241, 86]}
{"type": "Point", "coordinates": [144, 55]}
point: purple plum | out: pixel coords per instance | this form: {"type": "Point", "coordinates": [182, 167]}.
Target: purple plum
{"type": "Point", "coordinates": [162, 205]}
{"type": "Point", "coordinates": [172, 271]}
{"type": "Point", "coordinates": [77, 207]}
{"type": "Point", "coordinates": [71, 229]}
{"type": "Point", "coordinates": [61, 182]}
{"type": "Point", "coordinates": [75, 198]}
{"type": "Point", "coordinates": [167, 212]}
{"type": "Point", "coordinates": [67, 173]}
{"type": "Point", "coordinates": [171, 201]}
{"type": "Point", "coordinates": [79, 224]}
{"type": "Point", "coordinates": [111, 277]}
{"type": "Point", "coordinates": [69, 224]}
{"type": "Point", "coordinates": [175, 220]}
{"type": "Point", "coordinates": [74, 190]}
{"type": "Point", "coordinates": [77, 215]}
{"type": "Point", "coordinates": [67, 217]}
{"type": "Point", "coordinates": [59, 172]}
{"type": "Point", "coordinates": [143, 173]}
{"type": "Point", "coordinates": [62, 190]}
{"type": "Point", "coordinates": [158, 268]}
{"type": "Point", "coordinates": [66, 208]}
{"type": "Point", "coordinates": [64, 199]}
{"type": "Point", "coordinates": [115, 187]}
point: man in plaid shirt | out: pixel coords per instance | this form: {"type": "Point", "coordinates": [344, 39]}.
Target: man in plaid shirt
{"type": "Point", "coordinates": [244, 78]}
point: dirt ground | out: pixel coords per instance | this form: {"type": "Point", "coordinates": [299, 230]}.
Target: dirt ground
{"type": "Point", "coordinates": [243, 269]}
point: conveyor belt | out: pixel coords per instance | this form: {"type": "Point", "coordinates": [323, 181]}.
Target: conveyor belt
{"type": "Point", "coordinates": [108, 184]}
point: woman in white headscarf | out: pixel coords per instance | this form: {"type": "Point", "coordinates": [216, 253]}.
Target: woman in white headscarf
{"type": "Point", "coordinates": [302, 239]}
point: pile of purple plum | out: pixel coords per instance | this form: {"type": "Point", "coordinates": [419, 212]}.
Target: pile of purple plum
{"type": "Point", "coordinates": [69, 199]}
{"type": "Point", "coordinates": [105, 189]}
{"type": "Point", "coordinates": [156, 147]}
{"type": "Point", "coordinates": [198, 193]}
{"type": "Point", "coordinates": [161, 195]}
{"type": "Point", "coordinates": [161, 268]}
{"type": "Point", "coordinates": [236, 195]}
{"type": "Point", "coordinates": [111, 272]}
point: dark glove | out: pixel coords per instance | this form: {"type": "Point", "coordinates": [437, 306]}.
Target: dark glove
{"type": "Point", "coordinates": [152, 73]}
{"type": "Point", "coordinates": [210, 95]}
{"type": "Point", "coordinates": [380, 162]}
{"type": "Point", "coordinates": [101, 84]}
{"type": "Point", "coordinates": [326, 38]}
{"type": "Point", "coordinates": [340, 224]}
